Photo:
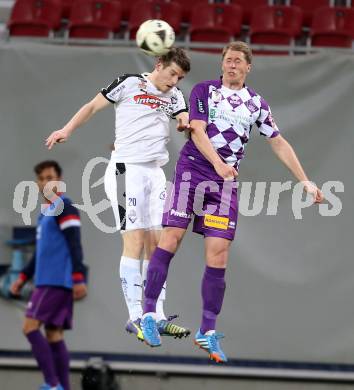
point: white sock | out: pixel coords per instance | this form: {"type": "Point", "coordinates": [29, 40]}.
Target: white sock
{"type": "Point", "coordinates": [132, 285]}
{"type": "Point", "coordinates": [160, 315]}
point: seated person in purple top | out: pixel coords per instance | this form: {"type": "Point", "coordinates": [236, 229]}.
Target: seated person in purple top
{"type": "Point", "coordinates": [222, 113]}
{"type": "Point", "coordinates": [59, 278]}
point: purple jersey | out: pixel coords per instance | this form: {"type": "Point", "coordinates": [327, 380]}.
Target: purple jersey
{"type": "Point", "coordinates": [230, 115]}
{"type": "Point", "coordinates": [200, 192]}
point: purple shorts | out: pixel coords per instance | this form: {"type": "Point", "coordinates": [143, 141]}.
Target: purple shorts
{"type": "Point", "coordinates": [200, 192]}
{"type": "Point", "coordinates": [51, 305]}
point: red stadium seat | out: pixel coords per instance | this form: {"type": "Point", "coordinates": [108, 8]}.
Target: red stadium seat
{"type": "Point", "coordinates": [66, 8]}
{"type": "Point", "coordinates": [125, 4]}
{"type": "Point", "coordinates": [215, 23]}
{"type": "Point", "coordinates": [308, 8]}
{"type": "Point", "coordinates": [333, 27]}
{"type": "Point", "coordinates": [187, 8]}
{"type": "Point", "coordinates": [248, 6]}
{"type": "Point", "coordinates": [154, 9]}
{"type": "Point", "coordinates": [275, 25]}
{"type": "Point", "coordinates": [94, 19]}
{"type": "Point", "coordinates": [126, 8]}
{"type": "Point", "coordinates": [34, 17]}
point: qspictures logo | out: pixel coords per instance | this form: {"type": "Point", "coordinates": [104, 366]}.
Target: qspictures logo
{"type": "Point", "coordinates": [254, 198]}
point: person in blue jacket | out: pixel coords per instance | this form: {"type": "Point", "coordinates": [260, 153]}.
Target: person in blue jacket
{"type": "Point", "coordinates": [59, 277]}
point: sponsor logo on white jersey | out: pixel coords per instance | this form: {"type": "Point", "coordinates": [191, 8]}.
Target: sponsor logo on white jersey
{"type": "Point", "coordinates": [150, 100]}
{"type": "Point", "coordinates": [234, 99]}
{"type": "Point", "coordinates": [154, 102]}
{"type": "Point", "coordinates": [216, 96]}
{"type": "Point", "coordinates": [234, 118]}
{"type": "Point", "coordinates": [132, 216]}
{"type": "Point", "coordinates": [143, 85]}
{"type": "Point", "coordinates": [113, 94]}
{"type": "Point", "coordinates": [251, 106]}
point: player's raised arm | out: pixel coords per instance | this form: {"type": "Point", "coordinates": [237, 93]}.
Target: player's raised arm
{"type": "Point", "coordinates": [286, 154]}
{"type": "Point", "coordinates": [82, 116]}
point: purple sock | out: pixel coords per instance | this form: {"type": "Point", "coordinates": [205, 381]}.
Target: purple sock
{"type": "Point", "coordinates": [156, 277]}
{"type": "Point", "coordinates": [61, 361]}
{"type": "Point", "coordinates": [43, 354]}
{"type": "Point", "coordinates": [213, 289]}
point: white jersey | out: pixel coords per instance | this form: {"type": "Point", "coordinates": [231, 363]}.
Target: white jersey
{"type": "Point", "coordinates": [142, 121]}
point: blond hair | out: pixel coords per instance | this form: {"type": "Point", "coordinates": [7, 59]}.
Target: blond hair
{"type": "Point", "coordinates": [239, 46]}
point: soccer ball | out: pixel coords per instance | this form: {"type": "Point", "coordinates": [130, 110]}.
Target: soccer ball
{"type": "Point", "coordinates": [155, 37]}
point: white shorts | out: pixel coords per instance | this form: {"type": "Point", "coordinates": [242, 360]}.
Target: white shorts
{"type": "Point", "coordinates": [137, 193]}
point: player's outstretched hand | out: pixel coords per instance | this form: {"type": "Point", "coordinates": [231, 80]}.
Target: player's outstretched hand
{"type": "Point", "coordinates": [181, 126]}
{"type": "Point", "coordinates": [226, 171]}
{"type": "Point", "coordinates": [57, 136]}
{"type": "Point", "coordinates": [79, 291]}
{"type": "Point", "coordinates": [16, 287]}
{"type": "Point", "coordinates": [314, 191]}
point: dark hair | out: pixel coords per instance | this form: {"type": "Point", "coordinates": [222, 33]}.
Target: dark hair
{"type": "Point", "coordinates": [239, 46]}
{"type": "Point", "coordinates": [40, 167]}
{"type": "Point", "coordinates": [179, 57]}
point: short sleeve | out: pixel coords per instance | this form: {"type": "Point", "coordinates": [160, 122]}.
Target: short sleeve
{"type": "Point", "coordinates": [265, 122]}
{"type": "Point", "coordinates": [178, 103]}
{"type": "Point", "coordinates": [198, 103]}
{"type": "Point", "coordinates": [114, 92]}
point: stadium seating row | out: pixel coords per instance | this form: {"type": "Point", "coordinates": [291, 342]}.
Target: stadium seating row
{"type": "Point", "coordinates": [217, 22]}
{"type": "Point", "coordinates": [308, 6]}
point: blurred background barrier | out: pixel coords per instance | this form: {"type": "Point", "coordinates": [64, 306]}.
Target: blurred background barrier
{"type": "Point", "coordinates": [290, 281]}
